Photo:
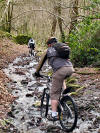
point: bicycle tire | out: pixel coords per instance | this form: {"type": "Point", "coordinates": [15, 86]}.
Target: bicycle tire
{"type": "Point", "coordinates": [68, 114]}
{"type": "Point", "coordinates": [44, 104]}
{"type": "Point", "coordinates": [31, 52]}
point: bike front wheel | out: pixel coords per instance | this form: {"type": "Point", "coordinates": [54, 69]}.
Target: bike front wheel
{"type": "Point", "coordinates": [44, 104]}
{"type": "Point", "coordinates": [68, 114]}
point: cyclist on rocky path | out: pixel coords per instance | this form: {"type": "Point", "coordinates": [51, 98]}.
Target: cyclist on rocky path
{"type": "Point", "coordinates": [61, 69]}
{"type": "Point", "coordinates": [31, 46]}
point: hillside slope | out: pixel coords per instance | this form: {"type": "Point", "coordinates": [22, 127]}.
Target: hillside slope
{"type": "Point", "coordinates": [8, 52]}
{"type": "Point", "coordinates": [87, 96]}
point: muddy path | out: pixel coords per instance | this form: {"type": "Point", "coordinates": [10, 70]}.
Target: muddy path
{"type": "Point", "coordinates": [24, 116]}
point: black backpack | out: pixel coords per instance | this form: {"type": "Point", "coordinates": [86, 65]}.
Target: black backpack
{"type": "Point", "coordinates": [63, 50]}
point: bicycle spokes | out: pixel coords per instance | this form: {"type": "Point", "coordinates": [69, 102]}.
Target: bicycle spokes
{"type": "Point", "coordinates": [68, 115]}
{"type": "Point", "coordinates": [44, 105]}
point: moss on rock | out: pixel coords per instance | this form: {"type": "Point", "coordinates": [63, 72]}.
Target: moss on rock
{"type": "Point", "coordinates": [22, 39]}
{"type": "Point", "coordinates": [5, 34]}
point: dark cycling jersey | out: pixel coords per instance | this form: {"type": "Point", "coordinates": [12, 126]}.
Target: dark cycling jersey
{"type": "Point", "coordinates": [31, 44]}
{"type": "Point", "coordinates": [55, 61]}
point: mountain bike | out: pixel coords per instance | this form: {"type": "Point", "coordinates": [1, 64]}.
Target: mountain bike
{"type": "Point", "coordinates": [67, 109]}
{"type": "Point", "coordinates": [31, 51]}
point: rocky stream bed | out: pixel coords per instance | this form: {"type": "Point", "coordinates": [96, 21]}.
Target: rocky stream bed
{"type": "Point", "coordinates": [24, 116]}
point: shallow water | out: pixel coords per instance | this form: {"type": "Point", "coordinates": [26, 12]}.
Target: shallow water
{"type": "Point", "coordinates": [25, 113]}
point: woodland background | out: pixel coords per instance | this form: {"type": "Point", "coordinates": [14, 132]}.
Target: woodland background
{"type": "Point", "coordinates": [76, 22]}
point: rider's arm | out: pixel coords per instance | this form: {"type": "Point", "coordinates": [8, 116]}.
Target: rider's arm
{"type": "Point", "coordinates": [41, 62]}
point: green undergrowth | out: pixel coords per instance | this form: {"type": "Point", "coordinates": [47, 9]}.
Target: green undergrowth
{"type": "Point", "coordinates": [72, 83]}
{"type": "Point", "coordinates": [84, 42]}
{"type": "Point", "coordinates": [5, 34]}
{"type": "Point", "coordinates": [4, 122]}
{"type": "Point", "coordinates": [20, 39]}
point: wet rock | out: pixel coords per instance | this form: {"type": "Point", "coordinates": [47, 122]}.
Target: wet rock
{"type": "Point", "coordinates": [30, 120]}
{"type": "Point", "coordinates": [37, 94]}
{"type": "Point", "coordinates": [29, 95]}
{"type": "Point", "coordinates": [31, 123]}
{"type": "Point", "coordinates": [16, 112]}
{"type": "Point", "coordinates": [76, 131]}
{"type": "Point", "coordinates": [23, 118]}
{"type": "Point", "coordinates": [53, 129]}
{"type": "Point", "coordinates": [33, 85]}
{"type": "Point", "coordinates": [96, 120]}
{"type": "Point", "coordinates": [39, 84]}
{"type": "Point", "coordinates": [43, 126]}
{"type": "Point", "coordinates": [9, 128]}
{"type": "Point", "coordinates": [22, 63]}
{"type": "Point", "coordinates": [14, 81]}
{"type": "Point", "coordinates": [24, 82]}
{"type": "Point", "coordinates": [13, 88]}
{"type": "Point", "coordinates": [16, 91]}
{"type": "Point", "coordinates": [30, 89]}
{"type": "Point", "coordinates": [11, 114]}
{"type": "Point", "coordinates": [13, 108]}
{"type": "Point", "coordinates": [20, 73]}
{"type": "Point", "coordinates": [37, 104]}
{"type": "Point", "coordinates": [15, 102]}
{"type": "Point", "coordinates": [85, 126]}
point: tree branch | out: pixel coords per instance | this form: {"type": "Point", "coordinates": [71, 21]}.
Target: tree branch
{"type": "Point", "coordinates": [20, 15]}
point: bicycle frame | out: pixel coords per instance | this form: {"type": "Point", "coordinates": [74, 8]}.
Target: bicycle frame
{"type": "Point", "coordinates": [65, 111]}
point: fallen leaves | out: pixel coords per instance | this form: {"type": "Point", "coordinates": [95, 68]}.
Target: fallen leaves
{"type": "Point", "coordinates": [8, 52]}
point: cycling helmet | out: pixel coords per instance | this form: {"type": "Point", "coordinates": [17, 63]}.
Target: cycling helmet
{"type": "Point", "coordinates": [32, 40]}
{"type": "Point", "coordinates": [51, 40]}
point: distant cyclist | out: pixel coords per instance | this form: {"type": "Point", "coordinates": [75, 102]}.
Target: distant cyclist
{"type": "Point", "coordinates": [31, 46]}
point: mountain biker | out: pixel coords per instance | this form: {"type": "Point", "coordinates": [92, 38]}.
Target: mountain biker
{"type": "Point", "coordinates": [61, 69]}
{"type": "Point", "coordinates": [31, 44]}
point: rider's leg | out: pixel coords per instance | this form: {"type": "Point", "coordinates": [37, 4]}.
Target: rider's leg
{"type": "Point", "coordinates": [32, 51]}
{"type": "Point", "coordinates": [57, 83]}
{"type": "Point", "coordinates": [54, 104]}
{"type": "Point", "coordinates": [64, 85]}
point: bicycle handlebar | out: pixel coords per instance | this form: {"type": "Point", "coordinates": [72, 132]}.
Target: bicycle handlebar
{"type": "Point", "coordinates": [47, 77]}
{"type": "Point", "coordinates": [42, 76]}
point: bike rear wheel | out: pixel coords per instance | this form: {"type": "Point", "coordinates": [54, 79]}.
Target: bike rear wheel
{"type": "Point", "coordinates": [68, 114]}
{"type": "Point", "coordinates": [31, 52]}
{"type": "Point", "coordinates": [44, 104]}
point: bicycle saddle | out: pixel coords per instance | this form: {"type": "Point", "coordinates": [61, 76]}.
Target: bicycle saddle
{"type": "Point", "coordinates": [67, 90]}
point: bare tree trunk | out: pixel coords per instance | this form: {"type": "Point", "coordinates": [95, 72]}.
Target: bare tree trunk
{"type": "Point", "coordinates": [5, 10]}
{"type": "Point", "coordinates": [54, 21]}
{"type": "Point", "coordinates": [10, 11]}
{"type": "Point", "coordinates": [7, 16]}
{"type": "Point", "coordinates": [60, 22]}
{"type": "Point", "coordinates": [74, 14]}
{"type": "Point", "coordinates": [57, 10]}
